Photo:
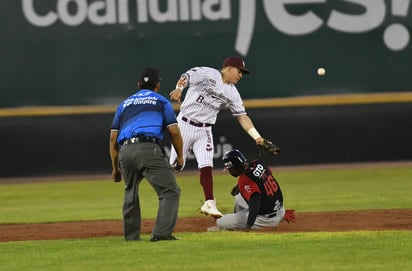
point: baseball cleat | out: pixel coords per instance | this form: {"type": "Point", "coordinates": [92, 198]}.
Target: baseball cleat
{"type": "Point", "coordinates": [209, 208]}
{"type": "Point", "coordinates": [156, 238]}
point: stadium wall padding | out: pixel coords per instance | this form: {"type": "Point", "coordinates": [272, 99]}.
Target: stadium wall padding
{"type": "Point", "coordinates": [78, 144]}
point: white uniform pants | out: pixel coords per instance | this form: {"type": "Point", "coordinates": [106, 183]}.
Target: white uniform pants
{"type": "Point", "coordinates": [197, 139]}
{"type": "Point", "coordinates": [238, 220]}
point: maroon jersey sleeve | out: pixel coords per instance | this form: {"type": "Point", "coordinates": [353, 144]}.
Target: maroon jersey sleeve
{"type": "Point", "coordinates": [247, 187]}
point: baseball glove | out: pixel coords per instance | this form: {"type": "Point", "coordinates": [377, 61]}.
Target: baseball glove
{"type": "Point", "coordinates": [268, 146]}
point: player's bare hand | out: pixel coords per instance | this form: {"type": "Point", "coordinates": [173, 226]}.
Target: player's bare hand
{"type": "Point", "coordinates": [260, 141]}
{"type": "Point", "coordinates": [116, 175]}
{"type": "Point", "coordinates": [178, 164]}
{"type": "Point", "coordinates": [175, 95]}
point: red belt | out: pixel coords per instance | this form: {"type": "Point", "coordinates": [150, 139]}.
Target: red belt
{"type": "Point", "coordinates": [197, 124]}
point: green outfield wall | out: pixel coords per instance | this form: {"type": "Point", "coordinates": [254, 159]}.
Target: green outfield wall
{"type": "Point", "coordinates": [89, 52]}
{"type": "Point", "coordinates": [74, 140]}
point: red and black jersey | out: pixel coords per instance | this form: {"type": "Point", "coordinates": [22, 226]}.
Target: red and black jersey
{"type": "Point", "coordinates": [259, 179]}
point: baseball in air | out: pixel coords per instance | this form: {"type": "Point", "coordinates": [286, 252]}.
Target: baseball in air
{"type": "Point", "coordinates": [321, 71]}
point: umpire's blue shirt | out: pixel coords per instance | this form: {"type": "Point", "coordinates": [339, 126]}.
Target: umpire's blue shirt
{"type": "Point", "coordinates": [146, 113]}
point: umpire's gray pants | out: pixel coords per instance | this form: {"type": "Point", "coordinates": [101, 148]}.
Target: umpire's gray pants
{"type": "Point", "coordinates": [147, 160]}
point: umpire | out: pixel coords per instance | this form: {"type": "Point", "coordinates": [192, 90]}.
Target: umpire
{"type": "Point", "coordinates": [138, 126]}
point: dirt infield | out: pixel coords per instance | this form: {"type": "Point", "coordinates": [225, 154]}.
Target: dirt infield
{"type": "Point", "coordinates": [374, 220]}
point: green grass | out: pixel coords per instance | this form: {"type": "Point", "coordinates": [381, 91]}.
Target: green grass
{"type": "Point", "coordinates": [348, 189]}
{"type": "Point", "coordinates": [361, 251]}
{"type": "Point", "coordinates": [305, 191]}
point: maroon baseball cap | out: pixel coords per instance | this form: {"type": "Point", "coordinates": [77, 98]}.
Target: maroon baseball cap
{"type": "Point", "coordinates": [235, 61]}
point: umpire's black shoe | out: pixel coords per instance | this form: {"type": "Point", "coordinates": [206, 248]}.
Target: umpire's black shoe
{"type": "Point", "coordinates": [156, 238]}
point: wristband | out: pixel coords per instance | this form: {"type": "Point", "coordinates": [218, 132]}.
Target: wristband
{"type": "Point", "coordinates": [253, 133]}
{"type": "Point", "coordinates": [182, 83]}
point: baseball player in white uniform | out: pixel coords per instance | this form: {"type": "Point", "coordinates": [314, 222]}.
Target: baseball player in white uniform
{"type": "Point", "coordinates": [208, 91]}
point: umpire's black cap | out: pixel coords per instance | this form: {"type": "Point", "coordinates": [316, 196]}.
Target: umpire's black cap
{"type": "Point", "coordinates": [149, 78]}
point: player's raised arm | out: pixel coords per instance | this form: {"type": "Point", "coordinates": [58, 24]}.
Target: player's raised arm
{"type": "Point", "coordinates": [249, 128]}
{"type": "Point", "coordinates": [264, 144]}
{"type": "Point", "coordinates": [176, 94]}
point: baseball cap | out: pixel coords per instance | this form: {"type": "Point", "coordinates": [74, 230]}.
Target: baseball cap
{"type": "Point", "coordinates": [235, 61]}
{"type": "Point", "coordinates": [149, 77]}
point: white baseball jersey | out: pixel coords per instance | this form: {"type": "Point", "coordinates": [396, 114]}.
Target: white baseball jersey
{"type": "Point", "coordinates": [207, 94]}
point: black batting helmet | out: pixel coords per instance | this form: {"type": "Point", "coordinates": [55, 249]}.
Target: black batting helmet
{"type": "Point", "coordinates": [233, 158]}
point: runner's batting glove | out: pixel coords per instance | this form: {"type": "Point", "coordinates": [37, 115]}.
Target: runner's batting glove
{"type": "Point", "coordinates": [289, 216]}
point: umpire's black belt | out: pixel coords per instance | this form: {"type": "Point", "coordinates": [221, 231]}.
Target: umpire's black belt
{"type": "Point", "coordinates": [141, 139]}
{"type": "Point", "coordinates": [197, 124]}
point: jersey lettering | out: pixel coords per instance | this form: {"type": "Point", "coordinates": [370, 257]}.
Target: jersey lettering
{"type": "Point", "coordinates": [200, 99]}
{"type": "Point", "coordinates": [270, 186]}
{"type": "Point", "coordinates": [259, 170]}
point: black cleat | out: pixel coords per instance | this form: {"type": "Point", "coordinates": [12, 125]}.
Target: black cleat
{"type": "Point", "coordinates": [156, 238]}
